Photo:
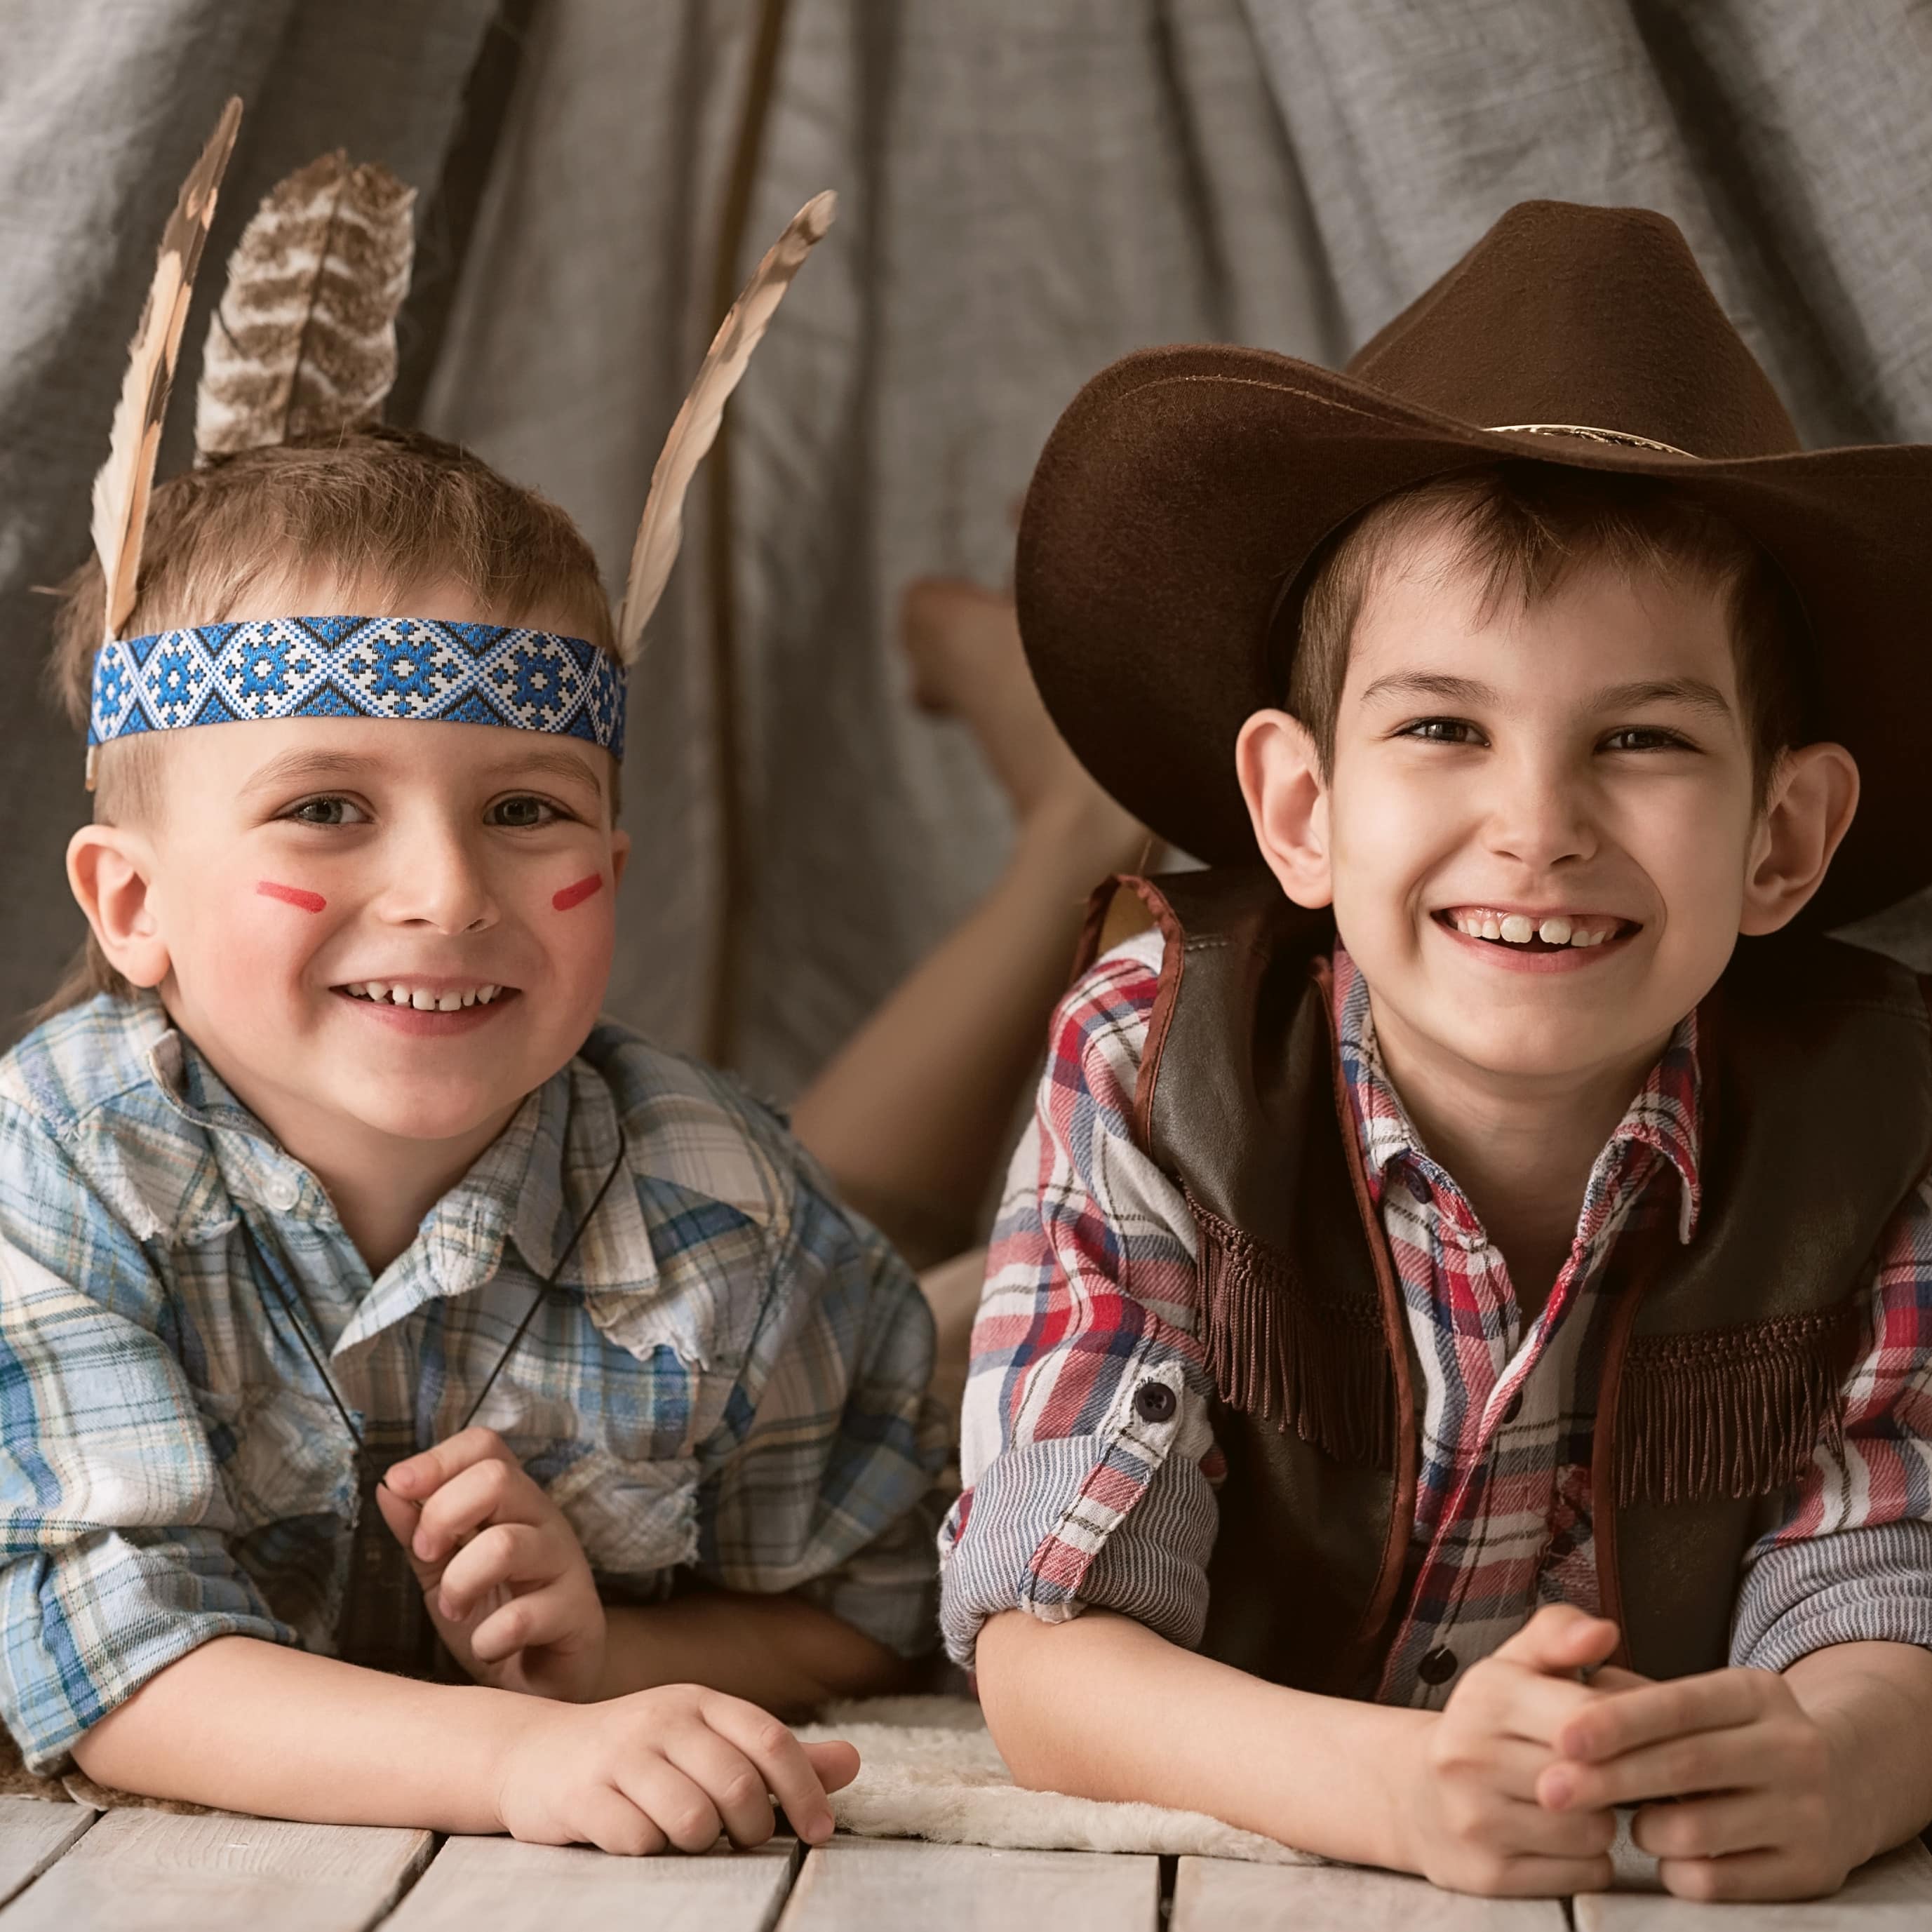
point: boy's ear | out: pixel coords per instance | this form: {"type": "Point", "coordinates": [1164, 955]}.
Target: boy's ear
{"type": "Point", "coordinates": [1280, 775]}
{"type": "Point", "coordinates": [1814, 793]}
{"type": "Point", "coordinates": [109, 867]}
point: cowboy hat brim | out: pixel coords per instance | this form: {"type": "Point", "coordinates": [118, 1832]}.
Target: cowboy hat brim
{"type": "Point", "coordinates": [1186, 487]}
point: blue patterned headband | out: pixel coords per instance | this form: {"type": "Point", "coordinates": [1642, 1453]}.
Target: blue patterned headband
{"type": "Point", "coordinates": [417, 667]}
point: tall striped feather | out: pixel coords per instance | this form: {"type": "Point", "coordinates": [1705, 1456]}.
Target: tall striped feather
{"type": "Point", "coordinates": [661, 530]}
{"type": "Point", "coordinates": [123, 482]}
{"type": "Point", "coordinates": [303, 342]}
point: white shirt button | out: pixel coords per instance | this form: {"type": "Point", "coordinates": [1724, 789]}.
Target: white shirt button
{"type": "Point", "coordinates": [282, 1192]}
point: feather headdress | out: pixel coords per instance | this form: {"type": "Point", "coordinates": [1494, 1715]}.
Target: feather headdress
{"type": "Point", "coordinates": [303, 342]}
{"type": "Point", "coordinates": [121, 486]}
{"type": "Point", "coordinates": [695, 429]}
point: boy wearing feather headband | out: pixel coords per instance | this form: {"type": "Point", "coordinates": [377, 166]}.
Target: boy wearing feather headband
{"type": "Point", "coordinates": [1457, 1354]}
{"type": "Point", "coordinates": [361, 1289]}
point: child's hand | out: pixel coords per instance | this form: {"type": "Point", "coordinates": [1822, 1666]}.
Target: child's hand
{"type": "Point", "coordinates": [506, 1581]}
{"type": "Point", "coordinates": [1757, 1816]}
{"type": "Point", "coordinates": [1474, 1822]}
{"type": "Point", "coordinates": [671, 1766]}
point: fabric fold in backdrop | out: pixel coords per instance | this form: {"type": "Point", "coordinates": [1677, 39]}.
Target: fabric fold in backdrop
{"type": "Point", "coordinates": [1030, 188]}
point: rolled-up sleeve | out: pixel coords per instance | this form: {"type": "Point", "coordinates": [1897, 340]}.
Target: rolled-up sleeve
{"type": "Point", "coordinates": [1852, 1560]}
{"type": "Point", "coordinates": [113, 1512]}
{"type": "Point", "coordinates": [1087, 1452]}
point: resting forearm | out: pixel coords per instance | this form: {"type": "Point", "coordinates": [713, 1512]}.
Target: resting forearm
{"type": "Point", "coordinates": [1102, 1708]}
{"type": "Point", "coordinates": [1874, 1700]}
{"type": "Point", "coordinates": [248, 1726]}
{"type": "Point", "coordinates": [779, 1652]}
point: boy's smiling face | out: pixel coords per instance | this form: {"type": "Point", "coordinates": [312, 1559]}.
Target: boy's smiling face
{"type": "Point", "coordinates": [1585, 760]}
{"type": "Point", "coordinates": [296, 868]}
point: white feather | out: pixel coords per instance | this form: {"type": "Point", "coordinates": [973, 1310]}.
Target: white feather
{"type": "Point", "coordinates": [122, 483]}
{"type": "Point", "coordinates": [661, 530]}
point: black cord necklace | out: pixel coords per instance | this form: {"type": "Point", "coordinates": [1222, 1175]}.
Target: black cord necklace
{"type": "Point", "coordinates": [263, 1265]}
{"type": "Point", "coordinates": [383, 1622]}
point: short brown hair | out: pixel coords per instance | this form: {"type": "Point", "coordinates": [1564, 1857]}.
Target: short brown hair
{"type": "Point", "coordinates": [1522, 529]}
{"type": "Point", "coordinates": [392, 508]}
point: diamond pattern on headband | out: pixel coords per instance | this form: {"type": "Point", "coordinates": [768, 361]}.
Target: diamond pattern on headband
{"type": "Point", "coordinates": [398, 667]}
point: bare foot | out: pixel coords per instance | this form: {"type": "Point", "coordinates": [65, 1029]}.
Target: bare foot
{"type": "Point", "coordinates": [963, 643]}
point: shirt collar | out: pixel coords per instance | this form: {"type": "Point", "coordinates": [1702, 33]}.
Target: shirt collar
{"type": "Point", "coordinates": [254, 1170]}
{"type": "Point", "coordinates": [1665, 1115]}
{"type": "Point", "coordinates": [532, 1187]}
{"type": "Point", "coordinates": [577, 1140]}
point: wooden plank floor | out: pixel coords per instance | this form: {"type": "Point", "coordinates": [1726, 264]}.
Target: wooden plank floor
{"type": "Point", "coordinates": [62, 1869]}
{"type": "Point", "coordinates": [858, 1882]}
{"type": "Point", "coordinates": [1893, 1893]}
{"type": "Point", "coordinates": [473, 1883]}
{"type": "Point", "coordinates": [32, 1835]}
{"type": "Point", "coordinates": [151, 1869]}
{"type": "Point", "coordinates": [1220, 1895]}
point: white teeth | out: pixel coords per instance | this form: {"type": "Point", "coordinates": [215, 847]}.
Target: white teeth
{"type": "Point", "coordinates": [385, 992]}
{"type": "Point", "coordinates": [1517, 928]}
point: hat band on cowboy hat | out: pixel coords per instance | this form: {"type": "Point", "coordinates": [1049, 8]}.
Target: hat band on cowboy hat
{"type": "Point", "coordinates": [1590, 434]}
{"type": "Point", "coordinates": [1186, 490]}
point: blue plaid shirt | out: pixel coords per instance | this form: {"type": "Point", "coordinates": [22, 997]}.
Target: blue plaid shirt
{"type": "Point", "coordinates": [729, 1382]}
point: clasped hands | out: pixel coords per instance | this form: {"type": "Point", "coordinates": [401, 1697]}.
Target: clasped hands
{"type": "Point", "coordinates": [510, 1590]}
{"type": "Point", "coordinates": [1734, 1779]}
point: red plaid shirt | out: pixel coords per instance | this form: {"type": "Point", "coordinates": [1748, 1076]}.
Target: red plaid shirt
{"type": "Point", "coordinates": [1075, 1497]}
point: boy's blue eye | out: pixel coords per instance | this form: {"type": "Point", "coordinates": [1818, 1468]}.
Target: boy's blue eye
{"type": "Point", "coordinates": [523, 813]}
{"type": "Point", "coordinates": [325, 811]}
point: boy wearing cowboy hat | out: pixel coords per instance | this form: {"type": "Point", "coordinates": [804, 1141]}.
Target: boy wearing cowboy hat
{"type": "Point", "coordinates": [1456, 1356]}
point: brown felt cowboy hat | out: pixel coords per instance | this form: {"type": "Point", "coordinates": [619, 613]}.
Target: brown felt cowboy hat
{"type": "Point", "coordinates": [1185, 489]}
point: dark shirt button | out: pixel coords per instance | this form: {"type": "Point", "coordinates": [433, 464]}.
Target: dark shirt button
{"type": "Point", "coordinates": [1417, 1183]}
{"type": "Point", "coordinates": [1154, 1401]}
{"type": "Point", "coordinates": [1514, 1407]}
{"type": "Point", "coordinates": [1437, 1666]}
{"type": "Point", "coordinates": [1561, 1545]}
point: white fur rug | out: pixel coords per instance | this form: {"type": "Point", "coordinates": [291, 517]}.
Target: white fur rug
{"type": "Point", "coordinates": [928, 1769]}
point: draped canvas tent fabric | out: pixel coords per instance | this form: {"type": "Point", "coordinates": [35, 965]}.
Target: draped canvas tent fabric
{"type": "Point", "coordinates": [1029, 188]}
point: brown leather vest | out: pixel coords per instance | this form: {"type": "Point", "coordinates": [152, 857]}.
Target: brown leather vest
{"type": "Point", "coordinates": [1724, 1358]}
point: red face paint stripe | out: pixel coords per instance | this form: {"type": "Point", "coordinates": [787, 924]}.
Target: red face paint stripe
{"type": "Point", "coordinates": [292, 895]}
{"type": "Point", "coordinates": [575, 895]}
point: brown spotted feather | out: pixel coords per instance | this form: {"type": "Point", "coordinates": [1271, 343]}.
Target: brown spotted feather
{"type": "Point", "coordinates": [303, 342]}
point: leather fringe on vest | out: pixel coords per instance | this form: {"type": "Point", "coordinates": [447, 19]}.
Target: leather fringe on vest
{"type": "Point", "coordinates": [1275, 1352]}
{"type": "Point", "coordinates": [1731, 1412]}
